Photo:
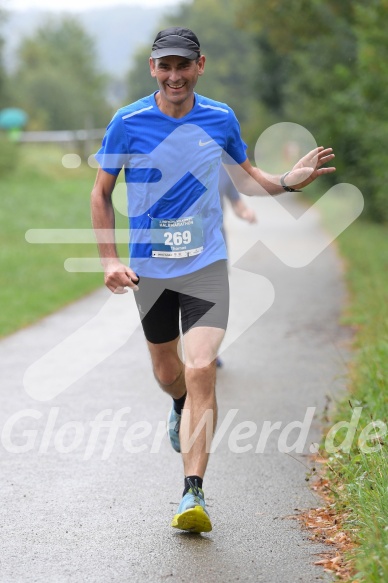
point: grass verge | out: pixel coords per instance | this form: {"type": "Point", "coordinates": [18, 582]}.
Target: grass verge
{"type": "Point", "coordinates": [42, 194]}
{"type": "Point", "coordinates": [357, 468]}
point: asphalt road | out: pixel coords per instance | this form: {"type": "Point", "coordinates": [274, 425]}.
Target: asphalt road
{"type": "Point", "coordinates": [81, 502]}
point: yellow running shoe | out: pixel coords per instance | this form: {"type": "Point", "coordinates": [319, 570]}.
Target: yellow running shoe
{"type": "Point", "coordinates": [192, 514]}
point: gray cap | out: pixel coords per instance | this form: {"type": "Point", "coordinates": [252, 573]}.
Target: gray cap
{"type": "Point", "coordinates": [176, 41]}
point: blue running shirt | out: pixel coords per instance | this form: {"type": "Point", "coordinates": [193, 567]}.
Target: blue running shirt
{"type": "Point", "coordinates": [171, 171]}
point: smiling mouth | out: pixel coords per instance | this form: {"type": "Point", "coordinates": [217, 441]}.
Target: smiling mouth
{"type": "Point", "coordinates": [176, 86]}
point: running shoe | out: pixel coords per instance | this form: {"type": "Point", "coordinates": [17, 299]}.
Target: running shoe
{"type": "Point", "coordinates": [192, 514]}
{"type": "Point", "coordinates": [173, 425]}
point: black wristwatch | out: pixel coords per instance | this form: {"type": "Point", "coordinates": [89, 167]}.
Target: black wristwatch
{"type": "Point", "coordinates": [284, 185]}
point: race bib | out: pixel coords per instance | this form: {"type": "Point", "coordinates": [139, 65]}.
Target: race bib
{"type": "Point", "coordinates": [177, 238]}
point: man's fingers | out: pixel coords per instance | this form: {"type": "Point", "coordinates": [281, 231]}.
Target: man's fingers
{"type": "Point", "coordinates": [119, 282]}
{"type": "Point", "coordinates": [135, 278]}
{"type": "Point", "coordinates": [311, 166]}
{"type": "Point", "coordinates": [122, 283]}
{"type": "Point", "coordinates": [318, 154]}
{"type": "Point", "coordinates": [326, 159]}
{"type": "Point", "coordinates": [132, 280]}
{"type": "Point", "coordinates": [325, 155]}
{"type": "Point", "coordinates": [120, 290]}
{"type": "Point", "coordinates": [132, 285]}
{"type": "Point", "coordinates": [326, 170]}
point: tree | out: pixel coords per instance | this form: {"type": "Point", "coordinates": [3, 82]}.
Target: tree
{"type": "Point", "coordinates": [57, 81]}
{"type": "Point", "coordinates": [372, 70]}
{"type": "Point", "coordinates": [336, 55]}
{"type": "Point", "coordinates": [3, 76]}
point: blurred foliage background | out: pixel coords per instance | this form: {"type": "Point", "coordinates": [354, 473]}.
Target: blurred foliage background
{"type": "Point", "coordinates": [319, 63]}
{"type": "Point", "coordinates": [57, 80]}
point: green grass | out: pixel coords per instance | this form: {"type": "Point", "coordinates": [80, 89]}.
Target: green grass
{"type": "Point", "coordinates": [359, 478]}
{"type": "Point", "coordinates": [42, 194]}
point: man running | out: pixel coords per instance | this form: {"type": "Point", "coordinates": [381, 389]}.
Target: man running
{"type": "Point", "coordinates": [171, 145]}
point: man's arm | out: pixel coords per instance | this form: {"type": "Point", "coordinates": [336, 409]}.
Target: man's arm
{"type": "Point", "coordinates": [255, 182]}
{"type": "Point", "coordinates": [243, 211]}
{"type": "Point", "coordinates": [117, 275]}
{"type": "Point", "coordinates": [227, 189]}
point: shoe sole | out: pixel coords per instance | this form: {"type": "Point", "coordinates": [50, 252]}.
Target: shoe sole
{"type": "Point", "coordinates": [194, 520]}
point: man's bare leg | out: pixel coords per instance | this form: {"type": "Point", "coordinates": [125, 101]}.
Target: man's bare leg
{"type": "Point", "coordinates": [198, 377]}
{"type": "Point", "coordinates": [201, 346]}
{"type": "Point", "coordinates": [168, 367]}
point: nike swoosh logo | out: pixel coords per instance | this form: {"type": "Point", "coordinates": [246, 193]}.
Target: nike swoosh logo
{"type": "Point", "coordinates": [201, 143]}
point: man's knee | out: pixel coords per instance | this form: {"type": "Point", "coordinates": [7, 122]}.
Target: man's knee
{"type": "Point", "coordinates": [167, 376]}
{"type": "Point", "coordinates": [201, 380]}
{"type": "Point", "coordinates": [201, 348]}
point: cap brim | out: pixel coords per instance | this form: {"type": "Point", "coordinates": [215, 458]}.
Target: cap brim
{"type": "Point", "coordinates": [158, 53]}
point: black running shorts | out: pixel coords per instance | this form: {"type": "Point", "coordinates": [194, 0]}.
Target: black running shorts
{"type": "Point", "coordinates": [200, 298]}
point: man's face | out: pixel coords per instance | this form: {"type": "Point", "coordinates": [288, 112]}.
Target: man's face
{"type": "Point", "coordinates": [176, 77]}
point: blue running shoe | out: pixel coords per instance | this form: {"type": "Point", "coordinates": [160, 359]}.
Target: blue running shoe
{"type": "Point", "coordinates": [173, 425]}
{"type": "Point", "coordinates": [192, 514]}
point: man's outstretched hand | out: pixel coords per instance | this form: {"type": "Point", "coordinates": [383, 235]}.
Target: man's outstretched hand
{"type": "Point", "coordinates": [310, 167]}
